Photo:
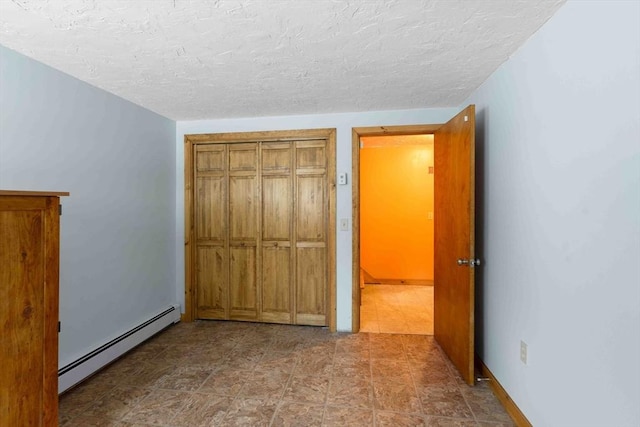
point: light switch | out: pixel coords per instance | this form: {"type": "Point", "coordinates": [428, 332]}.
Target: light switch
{"type": "Point", "coordinates": [344, 224]}
{"type": "Point", "coordinates": [342, 178]}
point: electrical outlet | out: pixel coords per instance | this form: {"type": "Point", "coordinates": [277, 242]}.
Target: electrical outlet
{"type": "Point", "coordinates": [523, 352]}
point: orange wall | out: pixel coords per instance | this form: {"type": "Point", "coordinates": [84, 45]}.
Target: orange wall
{"type": "Point", "coordinates": [396, 196]}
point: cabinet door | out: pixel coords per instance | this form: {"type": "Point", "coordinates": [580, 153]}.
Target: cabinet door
{"type": "Point", "coordinates": [28, 310]}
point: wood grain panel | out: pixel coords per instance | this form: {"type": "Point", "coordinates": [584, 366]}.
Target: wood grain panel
{"type": "Point", "coordinates": [29, 273]}
{"type": "Point", "coordinates": [51, 309]}
{"type": "Point", "coordinates": [212, 285]}
{"type": "Point", "coordinates": [311, 276]}
{"type": "Point", "coordinates": [26, 193]}
{"type": "Point", "coordinates": [454, 161]}
{"type": "Point", "coordinates": [22, 316]}
{"type": "Point", "coordinates": [277, 204]}
{"type": "Point", "coordinates": [190, 207]}
{"type": "Point", "coordinates": [242, 283]}
{"type": "Point", "coordinates": [243, 157]}
{"type": "Point", "coordinates": [210, 158]}
{"type": "Point", "coordinates": [311, 211]}
{"type": "Point", "coordinates": [264, 136]}
{"type": "Point", "coordinates": [311, 154]}
{"type": "Point", "coordinates": [276, 284]}
{"type": "Point", "coordinates": [243, 205]}
{"type": "Point", "coordinates": [211, 215]}
{"type": "Point", "coordinates": [276, 157]}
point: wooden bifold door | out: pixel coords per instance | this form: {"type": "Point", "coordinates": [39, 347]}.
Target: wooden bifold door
{"type": "Point", "coordinates": [261, 243]}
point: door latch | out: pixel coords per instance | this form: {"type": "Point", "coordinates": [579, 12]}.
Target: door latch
{"type": "Point", "coordinates": [471, 263]}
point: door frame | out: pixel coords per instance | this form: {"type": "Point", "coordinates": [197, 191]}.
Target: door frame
{"type": "Point", "coordinates": [356, 134]}
{"type": "Point", "coordinates": [190, 141]}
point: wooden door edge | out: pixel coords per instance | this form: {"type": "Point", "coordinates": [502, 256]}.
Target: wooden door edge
{"type": "Point", "coordinates": [355, 228]}
{"type": "Point", "coordinates": [356, 133]}
{"type": "Point", "coordinates": [189, 303]}
{"type": "Point", "coordinates": [51, 305]}
{"type": "Point", "coordinates": [331, 187]}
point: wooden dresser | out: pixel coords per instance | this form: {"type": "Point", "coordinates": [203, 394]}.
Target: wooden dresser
{"type": "Point", "coordinates": [29, 249]}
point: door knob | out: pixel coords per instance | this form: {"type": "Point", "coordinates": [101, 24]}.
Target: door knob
{"type": "Point", "coordinates": [471, 263]}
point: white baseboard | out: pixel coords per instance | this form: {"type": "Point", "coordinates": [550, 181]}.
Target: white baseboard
{"type": "Point", "coordinates": [76, 371]}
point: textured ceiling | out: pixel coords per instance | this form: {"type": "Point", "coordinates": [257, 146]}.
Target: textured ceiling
{"type": "Point", "coordinates": [244, 58]}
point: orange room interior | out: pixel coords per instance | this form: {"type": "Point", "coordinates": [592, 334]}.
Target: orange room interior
{"type": "Point", "coordinates": [396, 208]}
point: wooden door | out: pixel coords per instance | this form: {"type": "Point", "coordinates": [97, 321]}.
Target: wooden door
{"type": "Point", "coordinates": [311, 232]}
{"type": "Point", "coordinates": [454, 193]}
{"type": "Point", "coordinates": [277, 232]}
{"type": "Point", "coordinates": [210, 205]}
{"type": "Point", "coordinates": [243, 231]}
{"type": "Point", "coordinates": [263, 227]}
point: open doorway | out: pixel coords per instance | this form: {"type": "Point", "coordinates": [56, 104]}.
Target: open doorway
{"type": "Point", "coordinates": [455, 259]}
{"type": "Point", "coordinates": [396, 234]}
{"type": "Point", "coordinates": [392, 286]}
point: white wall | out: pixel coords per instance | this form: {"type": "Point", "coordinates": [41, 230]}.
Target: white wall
{"type": "Point", "coordinates": [117, 262]}
{"type": "Point", "coordinates": [559, 154]}
{"type": "Point", "coordinates": [343, 122]}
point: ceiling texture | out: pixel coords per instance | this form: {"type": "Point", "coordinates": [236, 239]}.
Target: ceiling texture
{"type": "Point", "coordinates": [207, 59]}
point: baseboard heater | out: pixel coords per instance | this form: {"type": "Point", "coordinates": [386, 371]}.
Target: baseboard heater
{"type": "Point", "coordinates": [76, 371]}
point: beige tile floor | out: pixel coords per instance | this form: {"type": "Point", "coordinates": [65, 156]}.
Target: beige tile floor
{"type": "Point", "coordinates": [210, 373]}
{"type": "Point", "coordinates": [397, 309]}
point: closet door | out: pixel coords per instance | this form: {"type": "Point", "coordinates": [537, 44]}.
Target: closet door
{"type": "Point", "coordinates": [260, 228]}
{"type": "Point", "coordinates": [243, 231]}
{"type": "Point", "coordinates": [311, 237]}
{"type": "Point", "coordinates": [277, 223]}
{"type": "Point", "coordinates": [211, 258]}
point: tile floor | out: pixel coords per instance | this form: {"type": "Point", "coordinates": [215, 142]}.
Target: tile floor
{"type": "Point", "coordinates": [397, 309]}
{"type": "Point", "coordinates": [210, 373]}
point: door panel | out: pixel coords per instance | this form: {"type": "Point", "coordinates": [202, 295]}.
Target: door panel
{"type": "Point", "coordinates": [311, 301]}
{"type": "Point", "coordinates": [243, 157]}
{"type": "Point", "coordinates": [211, 223]}
{"type": "Point", "coordinates": [276, 284]}
{"type": "Point", "coordinates": [242, 208]}
{"type": "Point", "coordinates": [211, 282]}
{"type": "Point", "coordinates": [311, 155]}
{"type": "Point", "coordinates": [276, 157]}
{"type": "Point", "coordinates": [242, 283]}
{"type": "Point", "coordinates": [210, 159]}
{"type": "Point", "coordinates": [454, 290]}
{"type": "Point", "coordinates": [310, 223]}
{"type": "Point", "coordinates": [276, 208]}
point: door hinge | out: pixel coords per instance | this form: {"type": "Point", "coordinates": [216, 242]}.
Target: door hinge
{"type": "Point", "coordinates": [59, 326]}
{"type": "Point", "coordinates": [60, 210]}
